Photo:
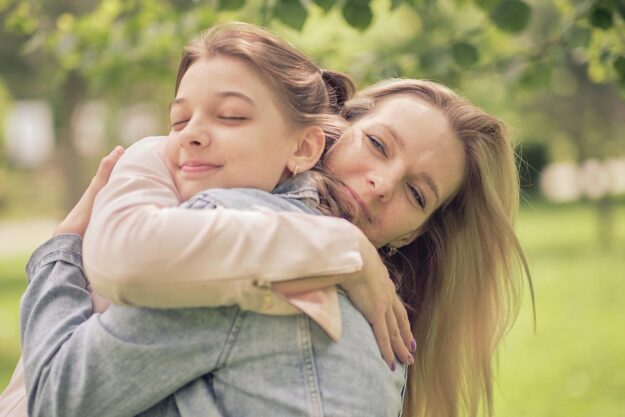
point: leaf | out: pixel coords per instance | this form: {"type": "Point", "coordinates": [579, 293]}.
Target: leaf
{"type": "Point", "coordinates": [464, 54]}
{"type": "Point", "coordinates": [578, 37]}
{"type": "Point", "coordinates": [601, 18]}
{"type": "Point", "coordinates": [292, 13]}
{"type": "Point", "coordinates": [511, 15]}
{"type": "Point", "coordinates": [536, 75]}
{"type": "Point", "coordinates": [231, 4]}
{"type": "Point", "coordinates": [357, 13]}
{"type": "Point", "coordinates": [396, 3]}
{"type": "Point", "coordinates": [326, 5]}
{"type": "Point", "coordinates": [620, 8]}
{"type": "Point", "coordinates": [619, 66]}
{"type": "Point", "coordinates": [486, 4]}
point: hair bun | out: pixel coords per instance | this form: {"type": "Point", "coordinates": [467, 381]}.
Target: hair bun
{"type": "Point", "coordinates": [340, 88]}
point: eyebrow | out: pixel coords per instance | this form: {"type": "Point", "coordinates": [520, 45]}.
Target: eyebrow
{"type": "Point", "coordinates": [425, 177]}
{"type": "Point", "coordinates": [228, 93]}
{"type": "Point", "coordinates": [396, 136]}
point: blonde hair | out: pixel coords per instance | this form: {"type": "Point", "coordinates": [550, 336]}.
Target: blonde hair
{"type": "Point", "coordinates": [308, 95]}
{"type": "Point", "coordinates": [462, 278]}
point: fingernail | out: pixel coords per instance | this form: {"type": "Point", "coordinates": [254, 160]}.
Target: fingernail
{"type": "Point", "coordinates": [118, 151]}
{"type": "Point", "coordinates": [413, 346]}
{"type": "Point", "coordinates": [410, 360]}
{"type": "Point", "coordinates": [393, 366]}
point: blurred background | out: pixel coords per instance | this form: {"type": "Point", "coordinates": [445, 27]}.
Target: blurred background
{"type": "Point", "coordinates": [78, 77]}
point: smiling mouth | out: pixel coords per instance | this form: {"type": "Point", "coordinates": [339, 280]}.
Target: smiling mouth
{"type": "Point", "coordinates": [360, 202]}
{"type": "Point", "coordinates": [193, 167]}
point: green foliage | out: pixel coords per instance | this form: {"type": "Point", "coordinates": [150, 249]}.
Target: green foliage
{"type": "Point", "coordinates": [465, 54]}
{"type": "Point", "coordinates": [601, 17]}
{"type": "Point", "coordinates": [325, 5]}
{"type": "Point", "coordinates": [578, 37]}
{"type": "Point", "coordinates": [292, 13]}
{"type": "Point", "coordinates": [511, 15]}
{"type": "Point", "coordinates": [22, 20]}
{"type": "Point", "coordinates": [357, 13]}
{"type": "Point", "coordinates": [396, 3]}
{"type": "Point", "coordinates": [231, 4]}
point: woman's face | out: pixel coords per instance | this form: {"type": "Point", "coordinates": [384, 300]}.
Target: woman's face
{"type": "Point", "coordinates": [400, 162]}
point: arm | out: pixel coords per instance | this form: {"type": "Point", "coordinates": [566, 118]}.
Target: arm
{"type": "Point", "coordinates": [139, 249]}
{"type": "Point", "coordinates": [157, 256]}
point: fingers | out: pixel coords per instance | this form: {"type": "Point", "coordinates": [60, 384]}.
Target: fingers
{"type": "Point", "coordinates": [380, 331]}
{"type": "Point", "coordinates": [78, 218]}
{"type": "Point", "coordinates": [104, 169]}
{"type": "Point", "coordinates": [397, 342]}
{"type": "Point", "coordinates": [401, 315]}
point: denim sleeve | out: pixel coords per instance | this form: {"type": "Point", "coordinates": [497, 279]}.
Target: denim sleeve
{"type": "Point", "coordinates": [72, 358]}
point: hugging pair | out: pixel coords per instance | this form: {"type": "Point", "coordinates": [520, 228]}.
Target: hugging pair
{"type": "Point", "coordinates": [221, 234]}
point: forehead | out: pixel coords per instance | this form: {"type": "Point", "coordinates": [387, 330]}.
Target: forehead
{"type": "Point", "coordinates": [429, 144]}
{"type": "Point", "coordinates": [207, 75]}
{"type": "Point", "coordinates": [410, 114]}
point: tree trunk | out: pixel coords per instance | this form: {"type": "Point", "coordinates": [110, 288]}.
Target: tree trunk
{"type": "Point", "coordinates": [71, 94]}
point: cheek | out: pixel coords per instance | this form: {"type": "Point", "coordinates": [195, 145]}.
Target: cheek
{"type": "Point", "coordinates": [171, 152]}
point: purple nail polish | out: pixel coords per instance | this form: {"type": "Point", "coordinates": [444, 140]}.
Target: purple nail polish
{"type": "Point", "coordinates": [393, 366]}
{"type": "Point", "coordinates": [413, 346]}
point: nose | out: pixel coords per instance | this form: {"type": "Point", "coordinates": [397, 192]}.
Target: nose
{"type": "Point", "coordinates": [195, 135]}
{"type": "Point", "coordinates": [383, 184]}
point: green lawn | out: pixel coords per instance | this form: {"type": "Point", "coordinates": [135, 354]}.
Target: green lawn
{"type": "Point", "coordinates": [12, 285]}
{"type": "Point", "coordinates": [573, 366]}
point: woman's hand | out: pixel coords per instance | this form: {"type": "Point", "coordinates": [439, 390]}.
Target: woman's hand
{"type": "Point", "coordinates": [373, 293]}
{"type": "Point", "coordinates": [77, 220]}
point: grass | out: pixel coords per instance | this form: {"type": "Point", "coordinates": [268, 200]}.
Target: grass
{"type": "Point", "coordinates": [572, 366]}
{"type": "Point", "coordinates": [12, 285]}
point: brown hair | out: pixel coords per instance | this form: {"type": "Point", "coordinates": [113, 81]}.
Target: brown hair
{"type": "Point", "coordinates": [462, 277]}
{"type": "Point", "coordinates": [309, 96]}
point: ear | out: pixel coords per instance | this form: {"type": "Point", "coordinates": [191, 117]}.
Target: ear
{"type": "Point", "coordinates": [308, 150]}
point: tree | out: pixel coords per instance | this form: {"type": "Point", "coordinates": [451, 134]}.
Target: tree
{"type": "Point", "coordinates": [124, 48]}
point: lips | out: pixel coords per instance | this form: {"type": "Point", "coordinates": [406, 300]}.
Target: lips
{"type": "Point", "coordinates": [196, 167]}
{"type": "Point", "coordinates": [360, 202]}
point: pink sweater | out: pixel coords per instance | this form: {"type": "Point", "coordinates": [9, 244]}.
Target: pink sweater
{"type": "Point", "coordinates": [141, 249]}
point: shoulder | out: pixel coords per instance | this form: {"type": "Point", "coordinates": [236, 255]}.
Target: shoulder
{"type": "Point", "coordinates": [241, 199]}
{"type": "Point", "coordinates": [144, 157]}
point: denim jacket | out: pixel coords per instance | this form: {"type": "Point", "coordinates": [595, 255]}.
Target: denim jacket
{"type": "Point", "coordinates": [58, 301]}
{"type": "Point", "coordinates": [68, 349]}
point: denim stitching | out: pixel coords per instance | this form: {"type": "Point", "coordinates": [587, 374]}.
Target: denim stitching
{"type": "Point", "coordinates": [237, 323]}
{"type": "Point", "coordinates": [310, 374]}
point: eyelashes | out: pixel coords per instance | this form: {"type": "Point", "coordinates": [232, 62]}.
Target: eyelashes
{"type": "Point", "coordinates": [380, 147]}
{"type": "Point", "coordinates": [377, 144]}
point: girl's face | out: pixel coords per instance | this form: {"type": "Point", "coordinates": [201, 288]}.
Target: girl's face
{"type": "Point", "coordinates": [400, 162]}
{"type": "Point", "coordinates": [227, 129]}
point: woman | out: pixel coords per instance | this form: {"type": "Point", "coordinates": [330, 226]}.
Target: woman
{"type": "Point", "coordinates": [461, 242]}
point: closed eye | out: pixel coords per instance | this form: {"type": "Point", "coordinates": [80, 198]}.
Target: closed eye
{"type": "Point", "coordinates": [179, 123]}
{"type": "Point", "coordinates": [235, 118]}
{"type": "Point", "coordinates": [417, 195]}
{"type": "Point", "coordinates": [377, 144]}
